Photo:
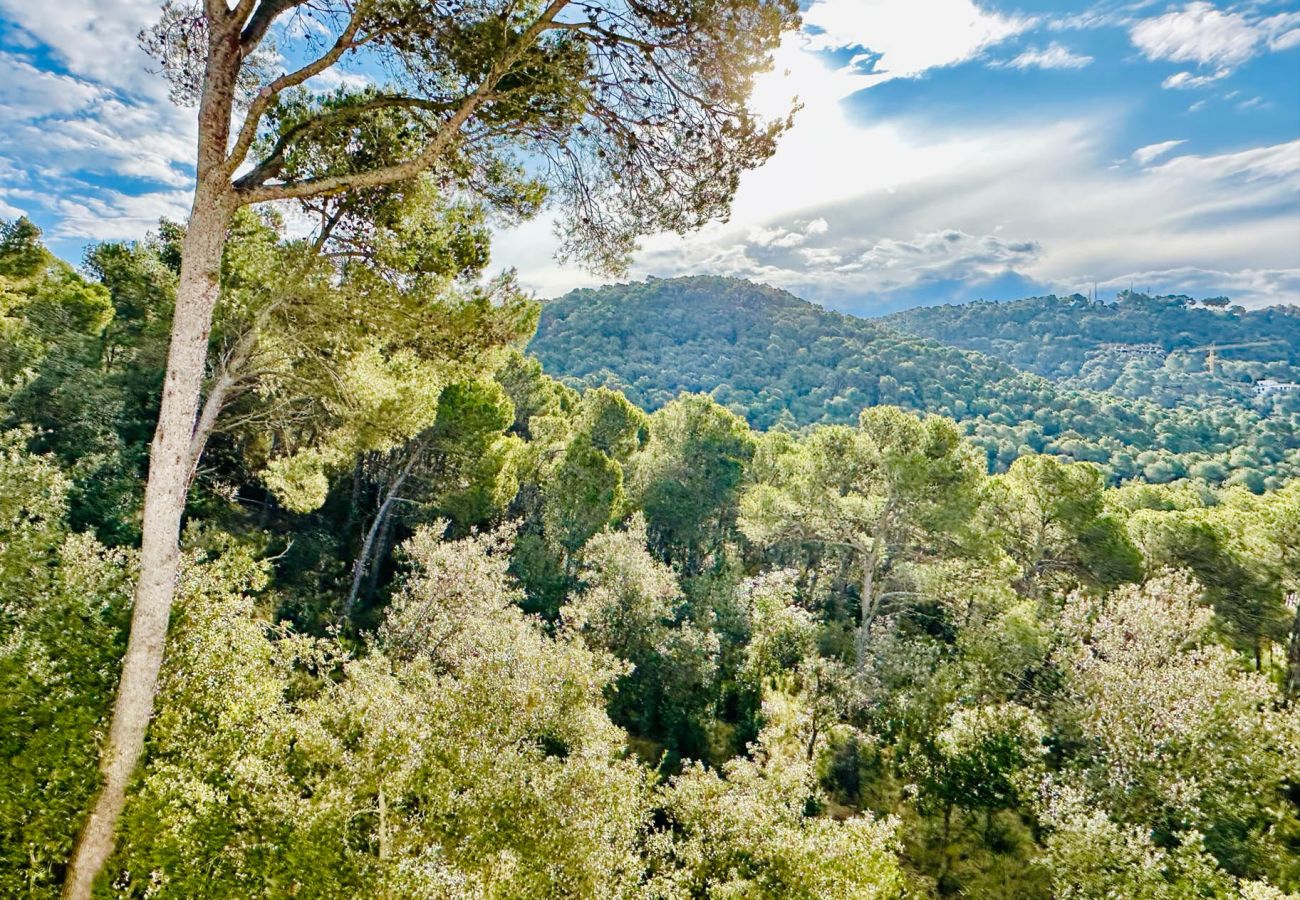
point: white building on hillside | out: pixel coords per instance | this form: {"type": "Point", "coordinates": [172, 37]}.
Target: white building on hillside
{"type": "Point", "coordinates": [1267, 387]}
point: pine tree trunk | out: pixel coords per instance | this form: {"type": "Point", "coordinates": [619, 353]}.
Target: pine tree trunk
{"type": "Point", "coordinates": [170, 462]}
{"type": "Point", "coordinates": [383, 550]}
{"type": "Point", "coordinates": [868, 603]}
{"type": "Point", "coordinates": [170, 465]}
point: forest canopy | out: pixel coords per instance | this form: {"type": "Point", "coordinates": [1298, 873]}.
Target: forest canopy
{"type": "Point", "coordinates": [450, 626]}
{"type": "Point", "coordinates": [783, 362]}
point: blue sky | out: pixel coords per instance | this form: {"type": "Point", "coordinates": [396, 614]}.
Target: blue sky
{"type": "Point", "coordinates": [947, 150]}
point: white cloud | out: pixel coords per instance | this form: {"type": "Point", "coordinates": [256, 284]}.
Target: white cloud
{"type": "Point", "coordinates": [1056, 56]}
{"type": "Point", "coordinates": [1247, 287]}
{"type": "Point", "coordinates": [336, 78]}
{"type": "Point", "coordinates": [909, 38]}
{"type": "Point", "coordinates": [1277, 162]}
{"type": "Point", "coordinates": [1283, 30]}
{"type": "Point", "coordinates": [1286, 40]}
{"type": "Point", "coordinates": [948, 252]}
{"type": "Point", "coordinates": [28, 93]}
{"type": "Point", "coordinates": [1068, 221]}
{"type": "Point", "coordinates": [94, 40]}
{"type": "Point", "coordinates": [820, 256]}
{"type": "Point", "coordinates": [1201, 33]}
{"type": "Point", "coordinates": [100, 148]}
{"type": "Point", "coordinates": [1181, 80]}
{"type": "Point", "coordinates": [1198, 33]}
{"type": "Point", "coordinates": [1144, 155]}
{"type": "Point", "coordinates": [112, 215]}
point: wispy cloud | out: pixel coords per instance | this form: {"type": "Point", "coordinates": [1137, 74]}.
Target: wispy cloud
{"type": "Point", "coordinates": [1181, 80]}
{"type": "Point", "coordinates": [1203, 34]}
{"type": "Point", "coordinates": [1055, 56]}
{"type": "Point", "coordinates": [1151, 152]}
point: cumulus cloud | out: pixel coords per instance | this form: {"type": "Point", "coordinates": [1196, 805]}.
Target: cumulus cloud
{"type": "Point", "coordinates": [1074, 221]}
{"type": "Point", "coordinates": [1144, 155]}
{"type": "Point", "coordinates": [949, 253]}
{"type": "Point", "coordinates": [113, 215]}
{"type": "Point", "coordinates": [1198, 33]}
{"type": "Point", "coordinates": [90, 40]}
{"type": "Point", "coordinates": [1201, 33]}
{"type": "Point", "coordinates": [1056, 56]}
{"type": "Point", "coordinates": [28, 93]}
{"type": "Point", "coordinates": [334, 78]}
{"type": "Point", "coordinates": [903, 40]}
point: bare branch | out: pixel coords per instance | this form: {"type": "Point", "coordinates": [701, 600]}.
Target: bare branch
{"type": "Point", "coordinates": [267, 12]}
{"type": "Point", "coordinates": [270, 165]}
{"type": "Point", "coordinates": [259, 106]}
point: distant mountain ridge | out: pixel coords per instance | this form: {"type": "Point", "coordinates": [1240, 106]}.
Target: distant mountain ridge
{"type": "Point", "coordinates": [1208, 348]}
{"type": "Point", "coordinates": [782, 361]}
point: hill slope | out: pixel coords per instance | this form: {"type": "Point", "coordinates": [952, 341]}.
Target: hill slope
{"type": "Point", "coordinates": [779, 360]}
{"type": "Point", "coordinates": [1081, 342]}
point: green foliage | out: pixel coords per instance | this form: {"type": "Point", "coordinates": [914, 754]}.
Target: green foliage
{"type": "Point", "coordinates": [777, 360]}
{"type": "Point", "coordinates": [1179, 740]}
{"type": "Point", "coordinates": [1238, 563]}
{"type": "Point", "coordinates": [690, 714]}
{"type": "Point", "coordinates": [1075, 341]}
{"type": "Point", "coordinates": [1051, 519]}
{"type": "Point", "coordinates": [688, 481]}
{"type": "Point", "coordinates": [323, 363]}
{"type": "Point", "coordinates": [745, 832]}
{"type": "Point", "coordinates": [628, 605]}
{"type": "Point", "coordinates": [63, 609]}
{"type": "Point", "coordinates": [466, 754]}
{"type": "Point", "coordinates": [890, 492]}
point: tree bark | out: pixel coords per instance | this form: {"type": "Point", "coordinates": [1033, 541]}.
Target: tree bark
{"type": "Point", "coordinates": [170, 467]}
{"type": "Point", "coordinates": [1293, 657]}
{"type": "Point", "coordinates": [383, 550]}
{"type": "Point", "coordinates": [868, 611]}
{"type": "Point", "coordinates": [368, 545]}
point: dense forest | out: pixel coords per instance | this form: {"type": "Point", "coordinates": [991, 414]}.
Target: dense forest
{"type": "Point", "coordinates": [1057, 336]}
{"type": "Point", "coordinates": [456, 629]}
{"type": "Point", "coordinates": [317, 582]}
{"type": "Point", "coordinates": [1210, 350]}
{"type": "Point", "coordinates": [780, 361]}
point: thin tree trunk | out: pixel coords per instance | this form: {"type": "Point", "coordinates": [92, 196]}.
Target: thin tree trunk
{"type": "Point", "coordinates": [368, 545]}
{"type": "Point", "coordinates": [383, 549]}
{"type": "Point", "coordinates": [1293, 657]}
{"type": "Point", "coordinates": [868, 610]}
{"type": "Point", "coordinates": [170, 467]}
{"type": "Point", "coordinates": [945, 859]}
{"type": "Point", "coordinates": [170, 457]}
